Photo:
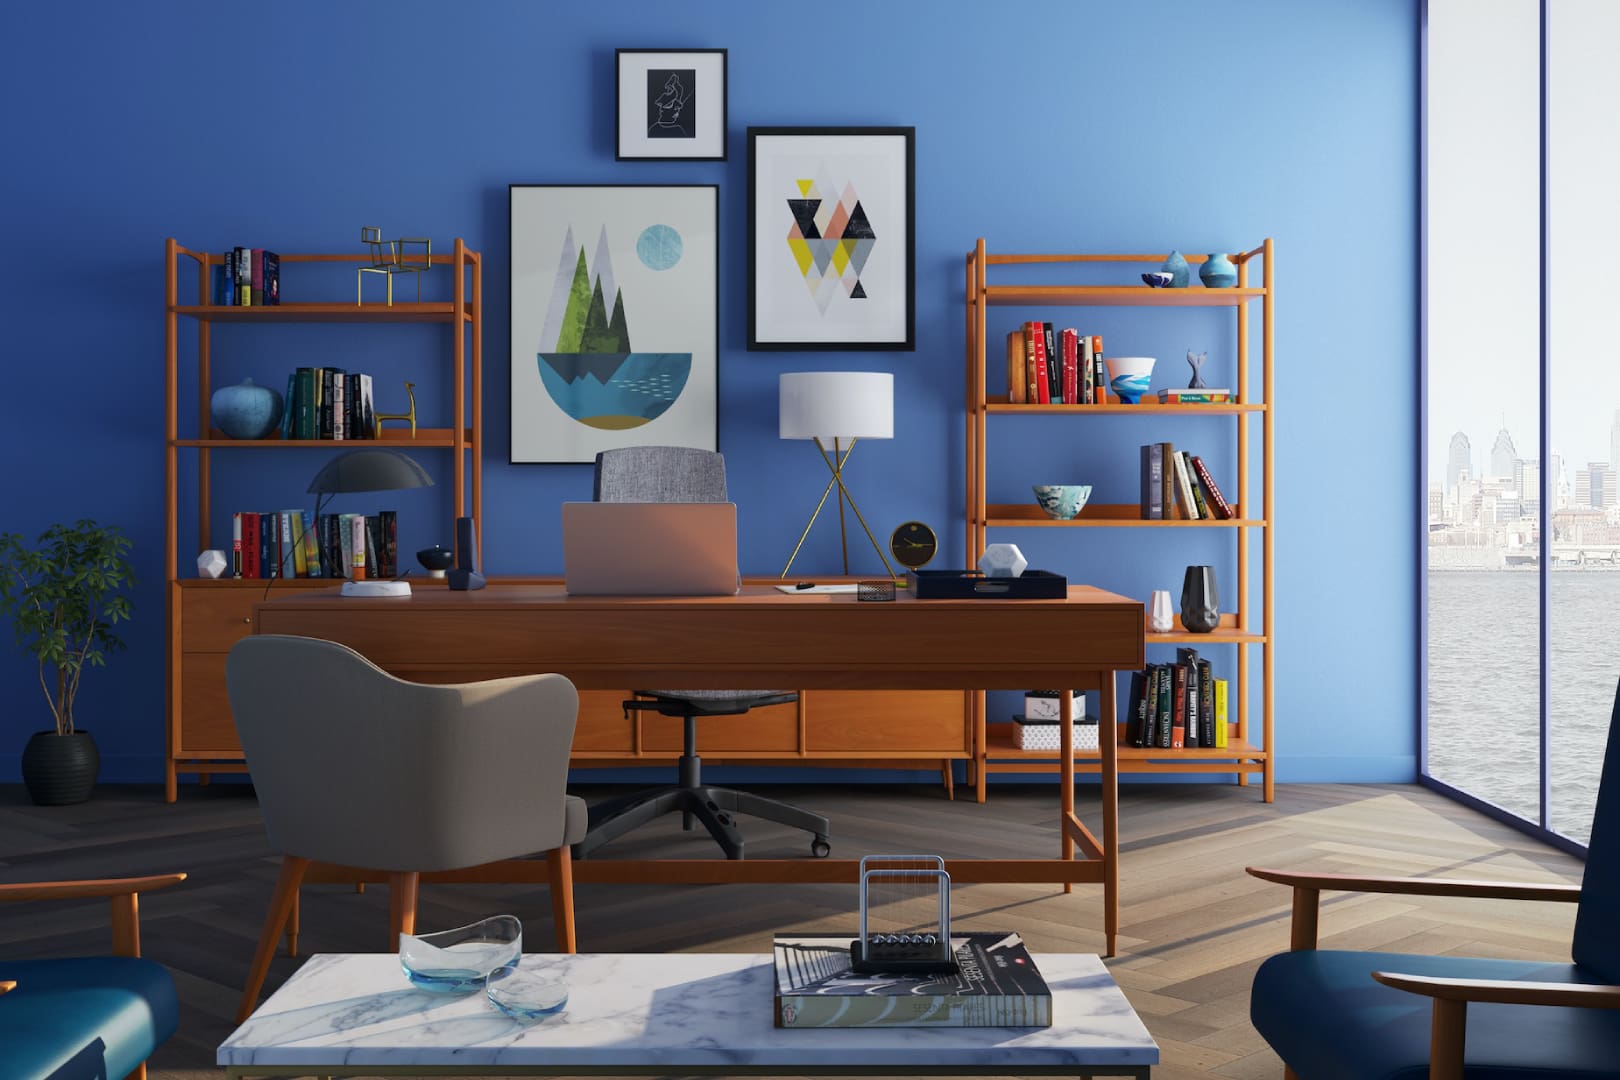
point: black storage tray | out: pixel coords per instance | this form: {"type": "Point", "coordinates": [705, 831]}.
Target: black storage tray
{"type": "Point", "coordinates": [972, 585]}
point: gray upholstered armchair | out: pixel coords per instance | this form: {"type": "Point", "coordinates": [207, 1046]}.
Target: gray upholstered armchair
{"type": "Point", "coordinates": [357, 768]}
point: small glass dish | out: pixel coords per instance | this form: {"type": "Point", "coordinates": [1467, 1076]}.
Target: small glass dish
{"type": "Point", "coordinates": [465, 959]}
{"type": "Point", "coordinates": [528, 995]}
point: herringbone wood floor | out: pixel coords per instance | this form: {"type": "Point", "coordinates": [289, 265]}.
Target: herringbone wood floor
{"type": "Point", "coordinates": [1194, 926]}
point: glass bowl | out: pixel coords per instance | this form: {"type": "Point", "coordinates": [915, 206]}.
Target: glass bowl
{"type": "Point", "coordinates": [528, 995]}
{"type": "Point", "coordinates": [465, 959]}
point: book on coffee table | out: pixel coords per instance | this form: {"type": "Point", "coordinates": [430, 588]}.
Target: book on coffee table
{"type": "Point", "coordinates": [995, 985]}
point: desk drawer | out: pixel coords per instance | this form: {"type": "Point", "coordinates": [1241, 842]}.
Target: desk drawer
{"type": "Point", "coordinates": [886, 720]}
{"type": "Point", "coordinates": [774, 728]}
{"type": "Point", "coordinates": [602, 726]}
{"type": "Point", "coordinates": [205, 709]}
{"type": "Point", "coordinates": [212, 620]}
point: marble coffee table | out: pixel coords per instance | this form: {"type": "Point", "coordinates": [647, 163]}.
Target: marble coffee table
{"type": "Point", "coordinates": [347, 1014]}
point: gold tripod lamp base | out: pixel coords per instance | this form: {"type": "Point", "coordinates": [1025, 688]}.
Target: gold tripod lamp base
{"type": "Point", "coordinates": [835, 462]}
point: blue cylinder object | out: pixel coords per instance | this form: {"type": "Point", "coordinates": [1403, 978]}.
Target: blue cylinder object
{"type": "Point", "coordinates": [245, 411]}
{"type": "Point", "coordinates": [1217, 272]}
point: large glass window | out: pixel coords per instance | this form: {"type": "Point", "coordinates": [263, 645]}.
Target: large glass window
{"type": "Point", "coordinates": [1522, 408]}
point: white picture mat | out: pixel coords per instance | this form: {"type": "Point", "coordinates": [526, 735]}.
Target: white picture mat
{"type": "Point", "coordinates": [666, 311]}
{"type": "Point", "coordinates": [784, 309]}
{"type": "Point", "coordinates": [709, 138]}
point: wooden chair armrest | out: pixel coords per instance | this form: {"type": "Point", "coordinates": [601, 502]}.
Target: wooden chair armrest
{"type": "Point", "coordinates": [124, 894]}
{"type": "Point", "coordinates": [7, 985]}
{"type": "Point", "coordinates": [1308, 892]}
{"type": "Point", "coordinates": [69, 890]}
{"type": "Point", "coordinates": [1497, 890]}
{"type": "Point", "coordinates": [1506, 992]}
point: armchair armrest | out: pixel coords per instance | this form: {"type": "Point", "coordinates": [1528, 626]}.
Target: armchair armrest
{"type": "Point", "coordinates": [122, 892]}
{"type": "Point", "coordinates": [1308, 892]}
{"type": "Point", "coordinates": [7, 985]}
{"type": "Point", "coordinates": [1451, 997]}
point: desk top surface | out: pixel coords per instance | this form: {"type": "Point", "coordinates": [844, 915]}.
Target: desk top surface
{"type": "Point", "coordinates": [672, 1010]}
{"type": "Point", "coordinates": [529, 596]}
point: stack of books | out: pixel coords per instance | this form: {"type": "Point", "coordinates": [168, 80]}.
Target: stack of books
{"type": "Point", "coordinates": [1046, 366]}
{"type": "Point", "coordinates": [290, 544]}
{"type": "Point", "coordinates": [1177, 485]}
{"type": "Point", "coordinates": [249, 277]}
{"type": "Point", "coordinates": [328, 403]}
{"type": "Point", "coordinates": [1201, 396]}
{"type": "Point", "coordinates": [1177, 705]}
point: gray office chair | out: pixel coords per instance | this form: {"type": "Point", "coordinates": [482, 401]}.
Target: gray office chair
{"type": "Point", "coordinates": [357, 768]}
{"type": "Point", "coordinates": [682, 474]}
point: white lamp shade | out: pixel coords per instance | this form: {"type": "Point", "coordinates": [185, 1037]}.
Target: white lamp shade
{"type": "Point", "coordinates": [836, 405]}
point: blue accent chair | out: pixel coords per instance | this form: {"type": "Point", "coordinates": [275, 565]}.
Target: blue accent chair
{"type": "Point", "coordinates": [86, 1018]}
{"type": "Point", "coordinates": [1335, 1015]}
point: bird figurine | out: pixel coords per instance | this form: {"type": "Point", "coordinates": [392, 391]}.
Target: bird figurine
{"type": "Point", "coordinates": [1197, 361]}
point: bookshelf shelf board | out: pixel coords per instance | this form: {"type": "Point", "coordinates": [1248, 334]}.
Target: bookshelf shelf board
{"type": "Point", "coordinates": [1000, 747]}
{"type": "Point", "coordinates": [1221, 636]}
{"type": "Point", "coordinates": [328, 313]}
{"type": "Point", "coordinates": [1115, 296]}
{"type": "Point", "coordinates": [1119, 515]}
{"type": "Point", "coordinates": [400, 439]}
{"type": "Point", "coordinates": [1000, 404]}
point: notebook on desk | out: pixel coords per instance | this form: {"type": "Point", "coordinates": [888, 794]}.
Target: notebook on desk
{"type": "Point", "coordinates": [650, 549]}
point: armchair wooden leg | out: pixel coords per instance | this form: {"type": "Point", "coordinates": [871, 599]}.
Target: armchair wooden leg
{"type": "Point", "coordinates": [292, 925]}
{"type": "Point", "coordinates": [401, 906]}
{"type": "Point", "coordinates": [1289, 1074]}
{"type": "Point", "coordinates": [281, 901]}
{"type": "Point", "coordinates": [1447, 1038]}
{"type": "Point", "coordinates": [139, 1073]}
{"type": "Point", "coordinates": [560, 862]}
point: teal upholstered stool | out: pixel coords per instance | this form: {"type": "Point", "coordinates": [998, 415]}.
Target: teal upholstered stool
{"type": "Point", "coordinates": [1454, 1017]}
{"type": "Point", "coordinates": [83, 1018]}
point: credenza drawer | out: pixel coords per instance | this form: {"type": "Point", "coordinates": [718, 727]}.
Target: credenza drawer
{"type": "Point", "coordinates": [774, 728]}
{"type": "Point", "coordinates": [212, 620]}
{"type": "Point", "coordinates": [602, 726]}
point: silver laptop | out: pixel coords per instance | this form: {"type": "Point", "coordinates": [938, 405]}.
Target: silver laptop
{"type": "Point", "coordinates": [650, 549]}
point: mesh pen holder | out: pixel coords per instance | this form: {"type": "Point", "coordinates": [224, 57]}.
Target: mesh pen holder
{"type": "Point", "coordinates": [874, 590]}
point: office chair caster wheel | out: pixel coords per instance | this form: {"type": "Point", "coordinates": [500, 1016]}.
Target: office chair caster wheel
{"type": "Point", "coordinates": [820, 848]}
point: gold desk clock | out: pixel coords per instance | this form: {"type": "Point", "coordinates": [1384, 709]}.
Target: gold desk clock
{"type": "Point", "coordinates": [913, 545]}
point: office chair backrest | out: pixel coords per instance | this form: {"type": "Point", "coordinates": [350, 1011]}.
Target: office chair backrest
{"type": "Point", "coordinates": [652, 474]}
{"type": "Point", "coordinates": [1597, 930]}
{"type": "Point", "coordinates": [356, 767]}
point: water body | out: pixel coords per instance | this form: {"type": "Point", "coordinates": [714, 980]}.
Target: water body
{"type": "Point", "coordinates": [1484, 695]}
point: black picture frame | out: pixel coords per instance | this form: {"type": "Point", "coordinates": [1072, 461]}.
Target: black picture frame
{"type": "Point", "coordinates": [707, 142]}
{"type": "Point", "coordinates": [521, 263]}
{"type": "Point", "coordinates": [769, 277]}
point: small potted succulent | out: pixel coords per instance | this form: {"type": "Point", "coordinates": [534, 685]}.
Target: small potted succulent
{"type": "Point", "coordinates": [63, 596]}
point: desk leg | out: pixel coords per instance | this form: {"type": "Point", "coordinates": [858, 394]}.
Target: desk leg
{"type": "Point", "coordinates": [1066, 769]}
{"type": "Point", "coordinates": [1108, 742]}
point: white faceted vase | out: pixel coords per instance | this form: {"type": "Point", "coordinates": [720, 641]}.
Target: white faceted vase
{"type": "Point", "coordinates": [1002, 560]}
{"type": "Point", "coordinates": [212, 563]}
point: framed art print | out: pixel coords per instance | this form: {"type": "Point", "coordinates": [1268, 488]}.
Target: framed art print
{"type": "Point", "coordinates": [671, 104]}
{"type": "Point", "coordinates": [831, 250]}
{"type": "Point", "coordinates": [615, 318]}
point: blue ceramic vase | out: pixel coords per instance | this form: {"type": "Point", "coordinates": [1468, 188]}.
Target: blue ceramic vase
{"type": "Point", "coordinates": [1217, 272]}
{"type": "Point", "coordinates": [1176, 266]}
{"type": "Point", "coordinates": [245, 411]}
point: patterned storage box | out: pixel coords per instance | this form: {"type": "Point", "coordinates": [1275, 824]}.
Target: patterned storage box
{"type": "Point", "coordinates": [1044, 734]}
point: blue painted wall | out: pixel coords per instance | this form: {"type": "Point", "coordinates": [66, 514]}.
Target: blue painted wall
{"type": "Point", "coordinates": [1041, 126]}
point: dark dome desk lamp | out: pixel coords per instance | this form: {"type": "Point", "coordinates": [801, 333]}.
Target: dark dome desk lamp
{"type": "Point", "coordinates": [369, 469]}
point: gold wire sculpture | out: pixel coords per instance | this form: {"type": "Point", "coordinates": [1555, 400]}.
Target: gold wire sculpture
{"type": "Point", "coordinates": [408, 417]}
{"type": "Point", "coordinates": [407, 255]}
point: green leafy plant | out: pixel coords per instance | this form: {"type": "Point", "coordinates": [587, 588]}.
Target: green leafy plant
{"type": "Point", "coordinates": [63, 596]}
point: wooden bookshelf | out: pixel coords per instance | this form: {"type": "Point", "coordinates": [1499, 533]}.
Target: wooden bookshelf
{"type": "Point", "coordinates": [206, 617]}
{"type": "Point", "coordinates": [1249, 632]}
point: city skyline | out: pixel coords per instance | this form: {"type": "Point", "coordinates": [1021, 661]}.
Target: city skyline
{"type": "Point", "coordinates": [1494, 454]}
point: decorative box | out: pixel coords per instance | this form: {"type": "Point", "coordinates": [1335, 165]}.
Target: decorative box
{"type": "Point", "coordinates": [1044, 734]}
{"type": "Point", "coordinates": [972, 585]}
{"type": "Point", "coordinates": [1044, 705]}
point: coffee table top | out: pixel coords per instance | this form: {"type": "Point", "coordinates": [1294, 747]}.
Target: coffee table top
{"type": "Point", "coordinates": [659, 1012]}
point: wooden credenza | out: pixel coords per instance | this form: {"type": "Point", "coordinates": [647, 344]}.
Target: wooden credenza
{"type": "Point", "coordinates": [830, 728]}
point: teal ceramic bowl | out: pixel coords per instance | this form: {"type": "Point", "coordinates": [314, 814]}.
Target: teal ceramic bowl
{"type": "Point", "coordinates": [1062, 501]}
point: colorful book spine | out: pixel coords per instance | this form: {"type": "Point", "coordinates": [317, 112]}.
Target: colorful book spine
{"type": "Point", "coordinates": [1100, 371]}
{"type": "Point", "coordinates": [389, 554]}
{"type": "Point", "coordinates": [1071, 367]}
{"type": "Point", "coordinates": [272, 278]}
{"type": "Point", "coordinates": [1223, 509]}
{"type": "Point", "coordinates": [1188, 659]}
{"type": "Point", "coordinates": [357, 547]}
{"type": "Point", "coordinates": [1184, 492]}
{"type": "Point", "coordinates": [1148, 733]}
{"type": "Point", "coordinates": [1054, 365]}
{"type": "Point", "coordinates": [1206, 703]}
{"type": "Point", "coordinates": [1153, 482]}
{"type": "Point", "coordinates": [250, 545]}
{"type": "Point", "coordinates": [256, 275]}
{"type": "Point", "coordinates": [1178, 707]}
{"type": "Point", "coordinates": [267, 546]}
{"type": "Point", "coordinates": [1199, 503]}
{"type": "Point", "coordinates": [1043, 377]}
{"type": "Point", "coordinates": [368, 410]}
{"type": "Point", "coordinates": [1136, 707]}
{"type": "Point", "coordinates": [1220, 712]}
{"type": "Point", "coordinates": [1088, 373]}
{"type": "Point", "coordinates": [236, 545]}
{"type": "Point", "coordinates": [340, 416]}
{"type": "Point", "coordinates": [304, 397]}
{"type": "Point", "coordinates": [1031, 370]}
{"type": "Point", "coordinates": [1166, 707]}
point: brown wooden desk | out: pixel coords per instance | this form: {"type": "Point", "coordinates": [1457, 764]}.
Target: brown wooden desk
{"type": "Point", "coordinates": [761, 637]}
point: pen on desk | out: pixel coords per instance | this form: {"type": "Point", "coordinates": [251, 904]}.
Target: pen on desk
{"type": "Point", "coordinates": [805, 585]}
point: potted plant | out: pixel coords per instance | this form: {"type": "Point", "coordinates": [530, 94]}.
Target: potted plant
{"type": "Point", "coordinates": [63, 596]}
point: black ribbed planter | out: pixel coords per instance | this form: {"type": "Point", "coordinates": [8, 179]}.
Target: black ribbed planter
{"type": "Point", "coordinates": [60, 769]}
